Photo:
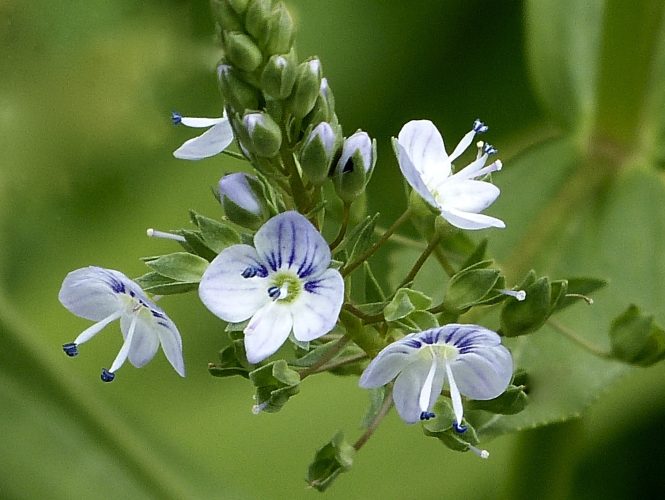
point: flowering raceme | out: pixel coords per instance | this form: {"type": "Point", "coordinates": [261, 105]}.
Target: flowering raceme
{"type": "Point", "coordinates": [105, 295]}
{"type": "Point", "coordinates": [282, 285]}
{"type": "Point", "coordinates": [427, 167]}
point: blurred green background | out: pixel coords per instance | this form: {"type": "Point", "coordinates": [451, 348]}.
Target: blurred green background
{"type": "Point", "coordinates": [573, 92]}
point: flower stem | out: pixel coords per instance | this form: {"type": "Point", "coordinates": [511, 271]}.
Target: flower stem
{"type": "Point", "coordinates": [334, 351]}
{"type": "Point", "coordinates": [233, 154]}
{"type": "Point", "coordinates": [567, 332]}
{"type": "Point", "coordinates": [421, 260]}
{"type": "Point", "coordinates": [342, 229]}
{"type": "Point", "coordinates": [443, 260]}
{"type": "Point", "coordinates": [383, 411]}
{"type": "Point", "coordinates": [350, 267]}
{"type": "Point", "coordinates": [366, 318]}
{"type": "Point", "coordinates": [338, 363]}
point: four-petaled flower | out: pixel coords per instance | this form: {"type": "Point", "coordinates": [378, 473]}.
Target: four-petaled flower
{"type": "Point", "coordinates": [284, 284]}
{"type": "Point", "coordinates": [213, 141]}
{"type": "Point", "coordinates": [469, 359]}
{"type": "Point", "coordinates": [105, 295]}
{"type": "Point", "coordinates": [427, 167]}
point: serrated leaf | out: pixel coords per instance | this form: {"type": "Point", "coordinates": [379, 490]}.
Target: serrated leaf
{"type": "Point", "coordinates": [180, 266]}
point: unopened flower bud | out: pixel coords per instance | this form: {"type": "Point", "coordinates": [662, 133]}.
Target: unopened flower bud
{"type": "Point", "coordinates": [237, 93]}
{"type": "Point", "coordinates": [226, 16]}
{"type": "Point", "coordinates": [278, 77]}
{"type": "Point", "coordinates": [239, 6]}
{"type": "Point", "coordinates": [257, 17]}
{"type": "Point", "coordinates": [306, 89]}
{"type": "Point", "coordinates": [355, 166]}
{"type": "Point", "coordinates": [281, 31]}
{"type": "Point", "coordinates": [264, 134]}
{"type": "Point", "coordinates": [243, 200]}
{"type": "Point", "coordinates": [318, 152]}
{"type": "Point", "coordinates": [241, 51]}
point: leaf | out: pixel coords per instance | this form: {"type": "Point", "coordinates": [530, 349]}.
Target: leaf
{"type": "Point", "coordinates": [217, 235]}
{"type": "Point", "coordinates": [180, 266]}
{"type": "Point", "coordinates": [275, 383]}
{"type": "Point", "coordinates": [636, 339]}
{"type": "Point", "coordinates": [330, 461]}
{"type": "Point", "coordinates": [405, 302]}
{"type": "Point", "coordinates": [157, 284]}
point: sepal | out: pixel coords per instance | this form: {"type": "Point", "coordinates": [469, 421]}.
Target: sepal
{"type": "Point", "coordinates": [636, 338]}
{"type": "Point", "coordinates": [241, 51]}
{"type": "Point", "coordinates": [405, 302]}
{"type": "Point", "coordinates": [330, 461]}
{"type": "Point", "coordinates": [157, 284]}
{"type": "Point", "coordinates": [318, 152]}
{"type": "Point", "coordinates": [217, 235]}
{"type": "Point", "coordinates": [470, 287]}
{"type": "Point", "coordinates": [441, 428]}
{"type": "Point", "coordinates": [306, 88]}
{"type": "Point", "coordinates": [232, 360]}
{"type": "Point", "coordinates": [179, 266]}
{"type": "Point", "coordinates": [281, 31]}
{"type": "Point", "coordinates": [238, 94]}
{"type": "Point", "coordinates": [528, 315]}
{"type": "Point", "coordinates": [275, 383]}
{"type": "Point", "coordinates": [278, 76]}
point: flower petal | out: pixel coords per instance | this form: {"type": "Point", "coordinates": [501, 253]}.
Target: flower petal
{"type": "Point", "coordinates": [316, 310]}
{"type": "Point", "coordinates": [468, 220]}
{"type": "Point", "coordinates": [169, 338]}
{"type": "Point", "coordinates": [408, 385]}
{"type": "Point", "coordinates": [92, 292]}
{"type": "Point", "coordinates": [411, 174]}
{"type": "Point", "coordinates": [267, 331]}
{"type": "Point", "coordinates": [389, 362]}
{"type": "Point", "coordinates": [483, 373]}
{"type": "Point", "coordinates": [201, 122]}
{"type": "Point", "coordinates": [467, 195]}
{"type": "Point", "coordinates": [290, 241]}
{"type": "Point", "coordinates": [424, 146]}
{"type": "Point", "coordinates": [144, 341]}
{"type": "Point", "coordinates": [463, 145]}
{"type": "Point", "coordinates": [211, 142]}
{"type": "Point", "coordinates": [225, 291]}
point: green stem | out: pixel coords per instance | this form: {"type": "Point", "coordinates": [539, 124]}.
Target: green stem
{"type": "Point", "coordinates": [346, 270]}
{"type": "Point", "coordinates": [342, 229]}
{"type": "Point", "coordinates": [334, 351]}
{"type": "Point", "coordinates": [233, 154]}
{"type": "Point", "coordinates": [367, 319]}
{"type": "Point", "coordinates": [443, 260]}
{"type": "Point", "coordinates": [298, 191]}
{"type": "Point", "coordinates": [340, 362]}
{"type": "Point", "coordinates": [92, 415]}
{"type": "Point", "coordinates": [567, 332]}
{"type": "Point", "coordinates": [385, 408]}
{"type": "Point", "coordinates": [421, 260]}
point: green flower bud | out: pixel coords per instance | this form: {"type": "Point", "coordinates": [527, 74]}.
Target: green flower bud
{"type": "Point", "coordinates": [239, 6]}
{"type": "Point", "coordinates": [322, 111]}
{"type": "Point", "coordinates": [257, 18]}
{"type": "Point", "coordinates": [281, 31]}
{"type": "Point", "coordinates": [238, 94]}
{"type": "Point", "coordinates": [264, 134]}
{"type": "Point", "coordinates": [468, 288]}
{"type": "Point", "coordinates": [243, 200]}
{"type": "Point", "coordinates": [241, 51]}
{"type": "Point", "coordinates": [278, 77]}
{"type": "Point", "coordinates": [318, 152]}
{"type": "Point", "coordinates": [355, 166]}
{"type": "Point", "coordinates": [226, 16]}
{"type": "Point", "coordinates": [306, 89]}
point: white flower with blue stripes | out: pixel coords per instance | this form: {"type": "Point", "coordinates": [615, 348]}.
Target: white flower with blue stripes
{"type": "Point", "coordinates": [105, 295]}
{"type": "Point", "coordinates": [459, 196]}
{"type": "Point", "coordinates": [216, 139]}
{"type": "Point", "coordinates": [468, 359]}
{"type": "Point", "coordinates": [283, 284]}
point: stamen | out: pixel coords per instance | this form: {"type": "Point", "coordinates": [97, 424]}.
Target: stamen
{"type": "Point", "coordinates": [107, 376]}
{"type": "Point", "coordinates": [153, 233]}
{"type": "Point", "coordinates": [518, 294]}
{"type": "Point", "coordinates": [256, 409]}
{"type": "Point", "coordinates": [455, 395]}
{"type": "Point", "coordinates": [71, 349]}
{"type": "Point", "coordinates": [479, 127]}
{"type": "Point", "coordinates": [480, 145]}
{"type": "Point", "coordinates": [459, 428]}
{"type": "Point", "coordinates": [124, 350]}
{"type": "Point", "coordinates": [426, 390]}
{"type": "Point", "coordinates": [586, 299]}
{"type": "Point", "coordinates": [426, 415]}
{"type": "Point", "coordinates": [93, 330]}
{"type": "Point", "coordinates": [249, 272]}
{"type": "Point", "coordinates": [176, 118]}
{"type": "Point", "coordinates": [481, 453]}
{"type": "Point", "coordinates": [274, 292]}
{"type": "Point", "coordinates": [488, 149]}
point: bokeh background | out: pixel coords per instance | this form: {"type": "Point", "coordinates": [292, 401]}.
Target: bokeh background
{"type": "Point", "coordinates": [573, 92]}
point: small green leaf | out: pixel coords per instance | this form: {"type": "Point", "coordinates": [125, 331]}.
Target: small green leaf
{"type": "Point", "coordinates": [577, 289]}
{"type": "Point", "coordinates": [180, 266]}
{"type": "Point", "coordinates": [330, 461]}
{"type": "Point", "coordinates": [275, 383]}
{"type": "Point", "coordinates": [233, 361]}
{"type": "Point", "coordinates": [360, 238]}
{"type": "Point", "coordinates": [157, 284]}
{"type": "Point", "coordinates": [405, 302]}
{"type": "Point", "coordinates": [636, 339]}
{"type": "Point", "coordinates": [469, 287]}
{"type": "Point", "coordinates": [520, 318]}
{"type": "Point", "coordinates": [217, 235]}
{"type": "Point", "coordinates": [314, 355]}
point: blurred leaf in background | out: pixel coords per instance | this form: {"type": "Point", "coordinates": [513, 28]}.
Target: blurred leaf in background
{"type": "Point", "coordinates": [572, 90]}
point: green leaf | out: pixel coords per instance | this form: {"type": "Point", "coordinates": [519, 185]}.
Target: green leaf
{"type": "Point", "coordinates": [275, 383]}
{"type": "Point", "coordinates": [405, 302]}
{"type": "Point", "coordinates": [636, 339]}
{"type": "Point", "coordinates": [360, 238]}
{"type": "Point", "coordinates": [469, 287]}
{"type": "Point", "coordinates": [195, 244]}
{"type": "Point", "coordinates": [578, 289]}
{"type": "Point", "coordinates": [217, 235]}
{"type": "Point", "coordinates": [528, 315]}
{"type": "Point", "coordinates": [233, 361]}
{"type": "Point", "coordinates": [330, 461]}
{"type": "Point", "coordinates": [376, 398]}
{"type": "Point", "coordinates": [157, 284]}
{"type": "Point", "coordinates": [180, 266]}
{"type": "Point", "coordinates": [512, 401]}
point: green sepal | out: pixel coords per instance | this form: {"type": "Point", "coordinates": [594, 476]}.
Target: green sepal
{"type": "Point", "coordinates": [405, 302]}
{"type": "Point", "coordinates": [360, 238]}
{"type": "Point", "coordinates": [232, 360]}
{"type": "Point", "coordinates": [179, 266]}
{"type": "Point", "coordinates": [258, 17]}
{"type": "Point", "coordinates": [238, 94]}
{"type": "Point", "coordinates": [376, 399]}
{"type": "Point", "coordinates": [469, 287]}
{"type": "Point", "coordinates": [330, 460]}
{"type": "Point", "coordinates": [278, 76]}
{"type": "Point", "coordinates": [314, 355]}
{"type": "Point", "coordinates": [236, 327]}
{"type": "Point", "coordinates": [225, 15]}
{"type": "Point", "coordinates": [512, 401]}
{"type": "Point", "coordinates": [373, 289]}
{"type": "Point", "coordinates": [275, 383]}
{"type": "Point", "coordinates": [522, 317]}
{"type": "Point", "coordinates": [217, 235]}
{"type": "Point", "coordinates": [239, 6]}
{"type": "Point", "coordinates": [441, 428]}
{"type": "Point", "coordinates": [636, 338]}
{"type": "Point", "coordinates": [478, 255]}
{"type": "Point", "coordinates": [194, 243]}
{"type": "Point", "coordinates": [306, 88]}
{"type": "Point", "coordinates": [157, 284]}
{"type": "Point", "coordinates": [579, 288]}
{"type": "Point", "coordinates": [281, 31]}
{"type": "Point", "coordinates": [558, 290]}
{"type": "Point", "coordinates": [241, 51]}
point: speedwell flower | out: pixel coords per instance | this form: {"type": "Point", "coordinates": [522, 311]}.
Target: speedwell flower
{"type": "Point", "coordinates": [283, 284]}
{"type": "Point", "coordinates": [427, 167]}
{"type": "Point", "coordinates": [469, 359]}
{"type": "Point", "coordinates": [105, 295]}
{"type": "Point", "coordinates": [213, 141]}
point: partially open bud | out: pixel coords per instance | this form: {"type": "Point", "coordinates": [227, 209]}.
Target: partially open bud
{"type": "Point", "coordinates": [355, 166]}
{"type": "Point", "coordinates": [281, 31]}
{"type": "Point", "coordinates": [238, 94]}
{"type": "Point", "coordinates": [306, 89]}
{"type": "Point", "coordinates": [264, 134]}
{"type": "Point", "coordinates": [324, 107]}
{"type": "Point", "coordinates": [243, 200]}
{"type": "Point", "coordinates": [278, 77]}
{"type": "Point", "coordinates": [318, 152]}
{"type": "Point", "coordinates": [257, 17]}
{"type": "Point", "coordinates": [241, 51]}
